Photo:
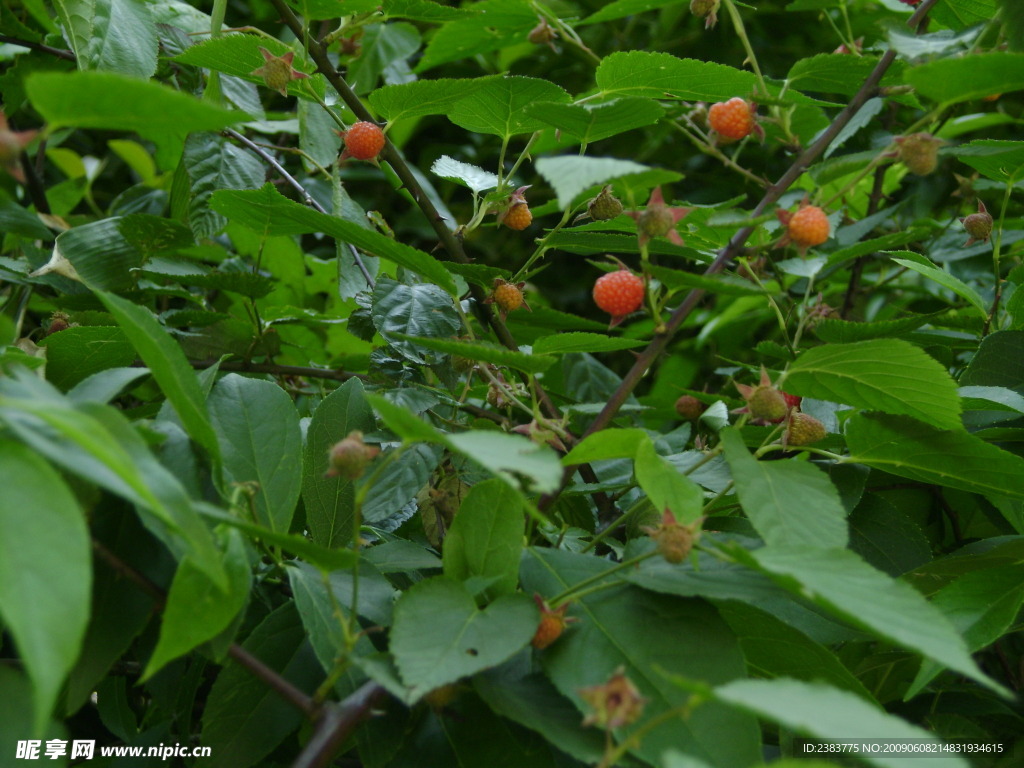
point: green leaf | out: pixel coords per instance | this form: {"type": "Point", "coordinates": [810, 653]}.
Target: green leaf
{"type": "Point", "coordinates": [214, 163]}
{"type": "Point", "coordinates": [570, 175]}
{"type": "Point", "coordinates": [960, 14]}
{"type": "Point", "coordinates": [261, 443]}
{"type": "Point", "coordinates": [267, 211]}
{"type": "Point", "coordinates": [726, 285]}
{"type": "Point", "coordinates": [470, 176]}
{"type": "Point", "coordinates": [836, 73]}
{"type": "Point", "coordinates": [238, 55]}
{"type": "Point", "coordinates": [619, 9]}
{"type": "Point", "coordinates": [45, 571]}
{"type": "Point", "coordinates": [198, 610]}
{"type": "Point", "coordinates": [666, 487]}
{"type": "Point", "coordinates": [169, 367]}
{"type": "Point", "coordinates": [655, 75]}
{"type": "Point", "coordinates": [499, 107]}
{"type": "Point", "coordinates": [485, 353]}
{"type": "Point", "coordinates": [76, 353]}
{"type": "Point", "coordinates": [788, 502]}
{"type": "Point", "coordinates": [843, 584]}
{"type": "Point", "coordinates": [329, 501]}
{"type": "Point", "coordinates": [399, 310]}
{"type": "Point", "coordinates": [100, 254]}
{"type": "Point", "coordinates": [774, 649]}
{"type": "Point", "coordinates": [999, 361]}
{"type": "Point", "coordinates": [997, 160]}
{"type": "Point", "coordinates": [486, 538]}
{"type": "Point", "coordinates": [887, 375]}
{"type": "Point", "coordinates": [846, 331]}
{"type": "Point", "coordinates": [824, 712]}
{"type": "Point", "coordinates": [424, 10]}
{"type": "Point", "coordinates": [16, 220]}
{"type": "Point", "coordinates": [439, 635]}
{"type": "Point", "coordinates": [616, 629]}
{"type": "Point", "coordinates": [606, 444]}
{"type": "Point", "coordinates": [592, 123]}
{"type": "Point", "coordinates": [403, 422]}
{"type": "Point", "coordinates": [423, 97]}
{"type": "Point", "coordinates": [565, 343]}
{"type": "Point", "coordinates": [398, 483]}
{"type": "Point", "coordinates": [953, 459]}
{"type": "Point", "coordinates": [495, 24]}
{"type": "Point", "coordinates": [886, 537]}
{"type": "Point", "coordinates": [946, 280]}
{"type": "Point", "coordinates": [982, 606]}
{"type": "Point", "coordinates": [965, 78]}
{"type": "Point", "coordinates": [241, 736]}
{"type": "Point", "coordinates": [123, 39]}
{"type": "Point", "coordinates": [97, 100]}
{"type": "Point", "coordinates": [515, 459]}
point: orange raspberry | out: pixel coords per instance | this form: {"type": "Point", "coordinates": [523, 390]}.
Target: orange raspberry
{"type": "Point", "coordinates": [508, 297]}
{"type": "Point", "coordinates": [518, 217]}
{"type": "Point", "coordinates": [364, 140]}
{"type": "Point", "coordinates": [619, 294]}
{"type": "Point", "coordinates": [552, 623]}
{"type": "Point", "coordinates": [732, 119]}
{"type": "Point", "coordinates": [808, 227]}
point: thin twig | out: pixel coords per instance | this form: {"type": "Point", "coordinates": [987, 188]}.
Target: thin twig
{"type": "Point", "coordinates": [336, 723]}
{"type": "Point", "coordinates": [60, 53]}
{"type": "Point", "coordinates": [256, 149]}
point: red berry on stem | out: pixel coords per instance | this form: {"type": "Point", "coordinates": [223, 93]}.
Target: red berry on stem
{"type": "Point", "coordinates": [364, 140]}
{"type": "Point", "coordinates": [732, 119]}
{"type": "Point", "coordinates": [619, 293]}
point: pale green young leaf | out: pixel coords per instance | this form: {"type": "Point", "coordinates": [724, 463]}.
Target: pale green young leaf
{"type": "Point", "coordinates": [570, 175]}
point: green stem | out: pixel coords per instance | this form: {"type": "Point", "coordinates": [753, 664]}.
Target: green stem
{"type": "Point", "coordinates": [577, 589]}
{"type": "Point", "coordinates": [741, 33]}
{"type": "Point", "coordinates": [997, 244]}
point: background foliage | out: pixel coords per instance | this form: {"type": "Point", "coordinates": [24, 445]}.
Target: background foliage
{"type": "Point", "coordinates": [198, 300]}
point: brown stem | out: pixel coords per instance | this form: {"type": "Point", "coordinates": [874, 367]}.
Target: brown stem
{"type": "Point", "coordinates": [60, 53]}
{"type": "Point", "coordinates": [336, 723]}
{"type": "Point", "coordinates": [874, 203]}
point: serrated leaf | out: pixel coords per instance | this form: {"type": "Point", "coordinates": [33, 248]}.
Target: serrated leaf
{"type": "Point", "coordinates": [592, 123]}
{"type": "Point", "coordinates": [956, 79]}
{"type": "Point", "coordinates": [238, 55]}
{"type": "Point", "coordinates": [841, 583]}
{"type": "Point", "coordinates": [123, 39]}
{"type": "Point", "coordinates": [423, 97]}
{"type": "Point", "coordinates": [249, 284]}
{"type": "Point", "coordinates": [430, 653]}
{"type": "Point", "coordinates": [268, 212]}
{"type": "Point", "coordinates": [213, 163]}
{"type": "Point", "coordinates": [946, 280]}
{"type": "Point", "coordinates": [45, 579]}
{"type": "Point", "coordinates": [726, 285]}
{"type": "Point", "coordinates": [495, 24]}
{"type": "Point", "coordinates": [845, 331]}
{"type": "Point", "coordinates": [485, 353]}
{"type": "Point", "coordinates": [788, 502]}
{"type": "Point", "coordinates": [565, 343]}
{"type": "Point", "coordinates": [499, 107]}
{"type": "Point", "coordinates": [657, 75]}
{"type": "Point", "coordinates": [606, 444]}
{"type": "Point", "coordinates": [959, 14]}
{"type": "Point", "coordinates": [570, 175]}
{"type": "Point", "coordinates": [511, 457]}
{"type": "Point", "coordinates": [836, 73]}
{"type": "Point", "coordinates": [666, 487]}
{"type": "Point", "coordinates": [100, 254]}
{"type": "Point", "coordinates": [1001, 161]}
{"type": "Point", "coordinates": [887, 375]}
{"type": "Point", "coordinates": [486, 538]}
{"type": "Point", "coordinates": [471, 176]}
{"type": "Point", "coordinates": [824, 712]}
{"type": "Point", "coordinates": [424, 10]}
{"type": "Point", "coordinates": [412, 310]}
{"type": "Point", "coordinates": [950, 458]}
{"type": "Point", "coordinates": [78, 352]}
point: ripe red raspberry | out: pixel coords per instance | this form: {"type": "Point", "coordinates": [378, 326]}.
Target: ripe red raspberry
{"type": "Point", "coordinates": [619, 294]}
{"type": "Point", "coordinates": [808, 227]}
{"type": "Point", "coordinates": [518, 217]}
{"type": "Point", "coordinates": [732, 119]}
{"type": "Point", "coordinates": [364, 141]}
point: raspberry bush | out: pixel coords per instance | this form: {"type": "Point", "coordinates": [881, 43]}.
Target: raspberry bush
{"type": "Point", "coordinates": [290, 474]}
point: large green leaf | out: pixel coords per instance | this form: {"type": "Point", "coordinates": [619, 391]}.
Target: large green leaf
{"type": "Point", "coordinates": [997, 160]}
{"type": "Point", "coordinates": [607, 444]}
{"type": "Point", "coordinates": [98, 99]}
{"type": "Point", "coordinates": [330, 501]}
{"type": "Point", "coordinates": [515, 459]}
{"type": "Point", "coordinates": [214, 163]}
{"type": "Point", "coordinates": [954, 459]}
{"type": "Point", "coordinates": [999, 362]}
{"type": "Point", "coordinates": [45, 571]}
{"type": "Point", "coordinates": [788, 502]}
{"type": "Point", "coordinates": [169, 367]}
{"type": "Point", "coordinates": [495, 24]}
{"type": "Point", "coordinates": [422, 97]}
{"type": "Point", "coordinates": [843, 584]}
{"type": "Point", "coordinates": [564, 343]}
{"type": "Point", "coordinates": [655, 75]}
{"type": "Point", "coordinates": [269, 212]}
{"type": "Point", "coordinates": [499, 107]}
{"type": "Point", "coordinates": [648, 635]}
{"type": "Point", "coordinates": [198, 610]}
{"type": "Point", "coordinates": [824, 712]}
{"type": "Point", "coordinates": [964, 78]}
{"type": "Point", "coordinates": [439, 635]}
{"type": "Point", "coordinates": [887, 375]}
{"type": "Point", "coordinates": [946, 280]}
{"type": "Point", "coordinates": [123, 39]}
{"type": "Point", "coordinates": [486, 537]}
{"type": "Point", "coordinates": [239, 55]}
{"type": "Point", "coordinates": [76, 353]}
{"type": "Point", "coordinates": [241, 736]}
{"type": "Point", "coordinates": [480, 352]}
{"type": "Point", "coordinates": [600, 121]}
{"type": "Point", "coordinates": [261, 443]}
{"type": "Point", "coordinates": [400, 311]}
